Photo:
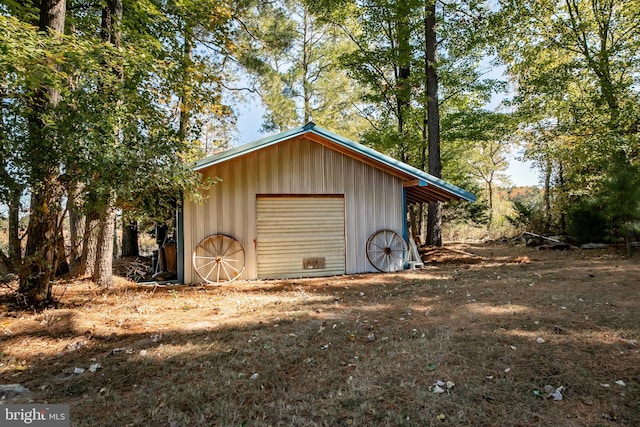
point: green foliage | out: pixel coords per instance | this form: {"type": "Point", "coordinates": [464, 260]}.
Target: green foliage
{"type": "Point", "coordinates": [587, 221]}
{"type": "Point", "coordinates": [613, 214]}
{"type": "Point", "coordinates": [525, 209]}
{"type": "Point", "coordinates": [527, 215]}
{"type": "Point", "coordinates": [461, 212]}
{"type": "Point", "coordinates": [391, 142]}
{"type": "Point", "coordinates": [85, 112]}
{"type": "Point", "coordinates": [477, 142]}
{"type": "Point", "coordinates": [577, 74]}
{"type": "Point", "coordinates": [378, 59]}
{"type": "Point", "coordinates": [622, 197]}
{"type": "Point", "coordinates": [108, 131]}
{"type": "Point", "coordinates": [291, 58]}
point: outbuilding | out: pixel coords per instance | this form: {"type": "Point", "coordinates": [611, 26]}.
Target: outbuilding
{"type": "Point", "coordinates": [302, 203]}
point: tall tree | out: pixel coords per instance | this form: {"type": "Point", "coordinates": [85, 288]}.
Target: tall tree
{"type": "Point", "coordinates": [383, 63]}
{"type": "Point", "coordinates": [576, 68]}
{"type": "Point", "coordinates": [484, 140]}
{"type": "Point", "coordinates": [12, 185]}
{"type": "Point", "coordinates": [401, 62]}
{"type": "Point", "coordinates": [110, 33]}
{"type": "Point", "coordinates": [115, 141]}
{"type": "Point", "coordinates": [434, 218]}
{"type": "Point", "coordinates": [44, 215]}
{"type": "Point", "coordinates": [291, 55]}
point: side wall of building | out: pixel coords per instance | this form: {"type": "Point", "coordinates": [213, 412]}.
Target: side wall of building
{"type": "Point", "coordinates": [373, 198]}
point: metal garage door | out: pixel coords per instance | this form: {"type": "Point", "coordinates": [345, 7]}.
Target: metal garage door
{"type": "Point", "coordinates": [300, 236]}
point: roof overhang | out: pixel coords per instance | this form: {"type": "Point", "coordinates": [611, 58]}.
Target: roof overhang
{"type": "Point", "coordinates": [419, 185]}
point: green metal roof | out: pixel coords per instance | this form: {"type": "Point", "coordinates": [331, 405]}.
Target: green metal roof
{"type": "Point", "coordinates": [424, 178]}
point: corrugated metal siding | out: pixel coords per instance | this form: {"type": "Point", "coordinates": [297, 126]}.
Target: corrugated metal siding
{"type": "Point", "coordinates": [292, 229]}
{"type": "Point", "coordinates": [372, 198]}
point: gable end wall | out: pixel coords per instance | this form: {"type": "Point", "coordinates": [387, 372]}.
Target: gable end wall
{"type": "Point", "coordinates": [373, 198]}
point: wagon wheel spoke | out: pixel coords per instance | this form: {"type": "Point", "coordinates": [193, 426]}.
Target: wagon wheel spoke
{"type": "Point", "coordinates": [386, 251]}
{"type": "Point", "coordinates": [230, 267]}
{"type": "Point", "coordinates": [207, 263]}
{"type": "Point", "coordinates": [381, 256]}
{"type": "Point", "coordinates": [210, 246]}
{"type": "Point", "coordinates": [206, 249]}
{"type": "Point", "coordinates": [227, 264]}
{"type": "Point", "coordinates": [206, 278]}
{"type": "Point", "coordinates": [386, 236]}
{"type": "Point", "coordinates": [224, 251]}
{"type": "Point", "coordinates": [233, 253]}
{"type": "Point", "coordinates": [218, 259]}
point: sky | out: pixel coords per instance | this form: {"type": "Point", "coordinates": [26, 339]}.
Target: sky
{"type": "Point", "coordinates": [250, 120]}
{"type": "Point", "coordinates": [522, 174]}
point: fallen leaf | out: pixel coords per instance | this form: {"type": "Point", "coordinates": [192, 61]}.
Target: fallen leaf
{"type": "Point", "coordinates": [554, 393]}
{"type": "Point", "coordinates": [437, 389]}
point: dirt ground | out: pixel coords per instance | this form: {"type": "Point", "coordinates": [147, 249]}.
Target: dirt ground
{"type": "Point", "coordinates": [484, 335]}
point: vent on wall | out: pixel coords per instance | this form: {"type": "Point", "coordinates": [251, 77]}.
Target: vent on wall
{"type": "Point", "coordinates": [313, 263]}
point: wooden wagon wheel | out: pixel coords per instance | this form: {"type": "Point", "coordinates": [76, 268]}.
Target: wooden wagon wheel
{"type": "Point", "coordinates": [387, 251]}
{"type": "Point", "coordinates": [218, 259]}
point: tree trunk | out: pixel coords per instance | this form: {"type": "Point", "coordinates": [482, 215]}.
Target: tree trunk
{"type": "Point", "coordinates": [13, 259]}
{"type": "Point", "coordinates": [185, 110]}
{"type": "Point", "coordinates": [103, 270]}
{"type": "Point", "coordinates": [434, 224]}
{"type": "Point", "coordinates": [76, 224]}
{"type": "Point", "coordinates": [306, 85]}
{"type": "Point", "coordinates": [61, 262]}
{"type": "Point", "coordinates": [130, 246]}
{"type": "Point", "coordinates": [15, 248]}
{"type": "Point", "coordinates": [89, 243]}
{"type": "Point", "coordinates": [546, 195]}
{"type": "Point", "coordinates": [110, 31]}
{"type": "Point", "coordinates": [424, 143]}
{"type": "Point", "coordinates": [103, 266]}
{"type": "Point", "coordinates": [434, 219]}
{"type": "Point", "coordinates": [15, 190]}
{"type": "Point", "coordinates": [414, 222]}
{"type": "Point", "coordinates": [403, 73]}
{"type": "Point", "coordinates": [490, 199]}
{"type": "Point", "coordinates": [40, 253]}
{"type": "Point", "coordinates": [563, 217]}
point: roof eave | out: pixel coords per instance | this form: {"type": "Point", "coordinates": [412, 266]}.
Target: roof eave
{"type": "Point", "coordinates": [446, 190]}
{"type": "Point", "coordinates": [424, 178]}
{"type": "Point", "coordinates": [248, 148]}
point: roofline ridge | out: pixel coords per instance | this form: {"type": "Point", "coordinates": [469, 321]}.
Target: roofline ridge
{"type": "Point", "coordinates": [311, 127]}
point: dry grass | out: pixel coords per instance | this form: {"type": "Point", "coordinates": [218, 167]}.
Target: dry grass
{"type": "Point", "coordinates": [356, 350]}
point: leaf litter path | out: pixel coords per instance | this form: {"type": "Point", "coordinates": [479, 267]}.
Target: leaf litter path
{"type": "Point", "coordinates": [503, 323]}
